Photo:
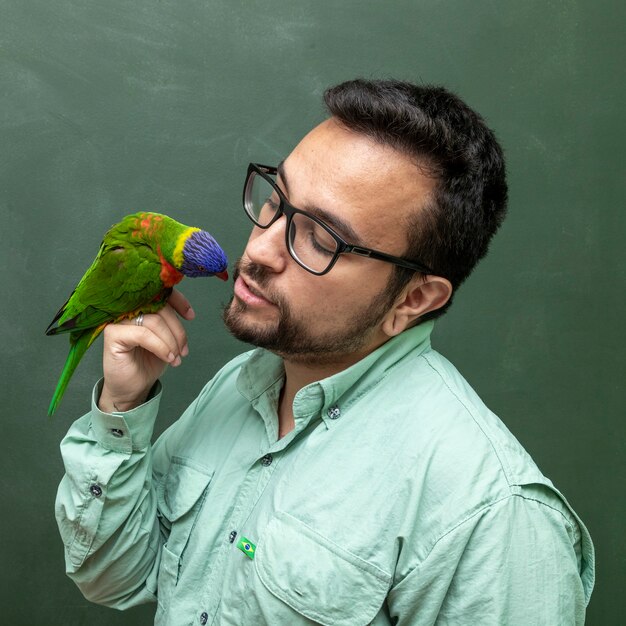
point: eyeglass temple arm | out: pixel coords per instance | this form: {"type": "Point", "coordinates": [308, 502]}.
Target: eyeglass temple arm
{"type": "Point", "coordinates": [381, 256]}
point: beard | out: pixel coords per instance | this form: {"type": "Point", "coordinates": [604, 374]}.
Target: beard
{"type": "Point", "coordinates": [290, 336]}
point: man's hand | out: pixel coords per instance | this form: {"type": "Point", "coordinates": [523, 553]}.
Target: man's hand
{"type": "Point", "coordinates": [135, 356]}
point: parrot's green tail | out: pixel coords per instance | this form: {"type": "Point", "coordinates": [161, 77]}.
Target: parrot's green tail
{"type": "Point", "coordinates": [79, 342]}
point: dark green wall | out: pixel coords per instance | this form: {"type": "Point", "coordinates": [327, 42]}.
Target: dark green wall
{"type": "Point", "coordinates": [111, 106]}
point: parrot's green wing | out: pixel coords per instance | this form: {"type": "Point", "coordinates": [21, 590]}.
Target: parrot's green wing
{"type": "Point", "coordinates": [122, 279]}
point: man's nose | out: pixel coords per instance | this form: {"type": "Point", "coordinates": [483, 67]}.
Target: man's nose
{"type": "Point", "coordinates": [266, 246]}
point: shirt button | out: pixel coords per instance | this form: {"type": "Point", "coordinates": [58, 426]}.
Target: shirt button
{"type": "Point", "coordinates": [333, 412]}
{"type": "Point", "coordinates": [95, 490]}
{"type": "Point", "coordinates": [204, 618]}
{"type": "Point", "coordinates": [231, 537]}
{"type": "Point", "coordinates": [116, 432]}
{"type": "Point", "coordinates": [267, 460]}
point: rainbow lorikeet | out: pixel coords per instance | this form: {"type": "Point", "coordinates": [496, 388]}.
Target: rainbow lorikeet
{"type": "Point", "coordinates": [140, 260]}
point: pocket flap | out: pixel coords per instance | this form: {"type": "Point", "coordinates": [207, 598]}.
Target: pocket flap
{"type": "Point", "coordinates": [181, 487]}
{"type": "Point", "coordinates": [318, 578]}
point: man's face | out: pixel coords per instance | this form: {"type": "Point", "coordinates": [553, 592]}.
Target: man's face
{"type": "Point", "coordinates": [366, 193]}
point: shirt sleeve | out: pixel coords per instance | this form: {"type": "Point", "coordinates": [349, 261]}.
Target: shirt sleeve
{"type": "Point", "coordinates": [106, 505]}
{"type": "Point", "coordinates": [517, 561]}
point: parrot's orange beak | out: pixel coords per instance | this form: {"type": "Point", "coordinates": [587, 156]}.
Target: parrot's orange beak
{"type": "Point", "coordinates": [223, 275]}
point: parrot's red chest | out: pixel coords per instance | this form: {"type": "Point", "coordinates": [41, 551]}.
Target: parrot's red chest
{"type": "Point", "coordinates": [169, 275]}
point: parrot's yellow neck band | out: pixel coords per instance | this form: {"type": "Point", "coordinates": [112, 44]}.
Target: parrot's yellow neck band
{"type": "Point", "coordinates": [177, 255]}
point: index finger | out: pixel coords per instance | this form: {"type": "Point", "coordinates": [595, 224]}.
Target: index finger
{"type": "Point", "coordinates": [181, 305]}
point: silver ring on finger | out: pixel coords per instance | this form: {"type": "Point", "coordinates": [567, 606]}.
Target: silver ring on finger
{"type": "Point", "coordinates": [139, 320]}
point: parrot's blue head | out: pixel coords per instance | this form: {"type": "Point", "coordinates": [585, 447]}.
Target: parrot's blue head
{"type": "Point", "coordinates": [202, 256]}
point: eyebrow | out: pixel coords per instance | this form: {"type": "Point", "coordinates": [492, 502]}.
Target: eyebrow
{"type": "Point", "coordinates": [336, 223]}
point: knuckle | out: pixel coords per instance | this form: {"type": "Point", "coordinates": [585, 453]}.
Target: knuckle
{"type": "Point", "coordinates": [111, 331]}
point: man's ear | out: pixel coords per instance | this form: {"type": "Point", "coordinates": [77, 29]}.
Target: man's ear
{"type": "Point", "coordinates": [421, 295]}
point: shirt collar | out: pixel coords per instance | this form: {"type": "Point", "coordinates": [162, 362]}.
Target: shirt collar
{"type": "Point", "coordinates": [334, 395]}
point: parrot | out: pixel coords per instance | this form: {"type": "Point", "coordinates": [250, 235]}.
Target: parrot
{"type": "Point", "coordinates": [140, 260]}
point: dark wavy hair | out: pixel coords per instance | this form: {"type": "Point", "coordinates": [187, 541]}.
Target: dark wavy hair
{"type": "Point", "coordinates": [448, 141]}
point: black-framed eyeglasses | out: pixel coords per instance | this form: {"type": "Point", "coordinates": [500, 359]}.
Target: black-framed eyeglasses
{"type": "Point", "coordinates": [312, 244]}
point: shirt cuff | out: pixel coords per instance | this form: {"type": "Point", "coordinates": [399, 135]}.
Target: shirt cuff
{"type": "Point", "coordinates": [125, 431]}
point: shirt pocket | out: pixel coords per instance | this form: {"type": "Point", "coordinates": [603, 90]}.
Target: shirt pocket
{"type": "Point", "coordinates": [316, 577]}
{"type": "Point", "coordinates": [180, 495]}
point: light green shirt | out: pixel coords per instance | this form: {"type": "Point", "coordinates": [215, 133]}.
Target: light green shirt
{"type": "Point", "coordinates": [399, 498]}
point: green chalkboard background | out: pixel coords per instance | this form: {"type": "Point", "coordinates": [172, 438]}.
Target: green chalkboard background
{"type": "Point", "coordinates": [111, 106]}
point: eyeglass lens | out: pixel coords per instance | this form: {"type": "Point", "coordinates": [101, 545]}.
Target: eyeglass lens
{"type": "Point", "coordinates": [261, 200]}
{"type": "Point", "coordinates": [309, 242]}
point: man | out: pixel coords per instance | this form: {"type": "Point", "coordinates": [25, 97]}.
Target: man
{"type": "Point", "coordinates": [343, 472]}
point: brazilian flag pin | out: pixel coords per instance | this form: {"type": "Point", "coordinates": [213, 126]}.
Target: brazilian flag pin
{"type": "Point", "coordinates": [247, 547]}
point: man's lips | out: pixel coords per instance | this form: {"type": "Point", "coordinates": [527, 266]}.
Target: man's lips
{"type": "Point", "coordinates": [248, 293]}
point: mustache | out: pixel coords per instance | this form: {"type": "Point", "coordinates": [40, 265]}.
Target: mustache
{"type": "Point", "coordinates": [261, 275]}
{"type": "Point", "coordinates": [256, 272]}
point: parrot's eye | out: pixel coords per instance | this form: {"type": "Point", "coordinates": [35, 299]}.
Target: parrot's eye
{"type": "Point", "coordinates": [202, 268]}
